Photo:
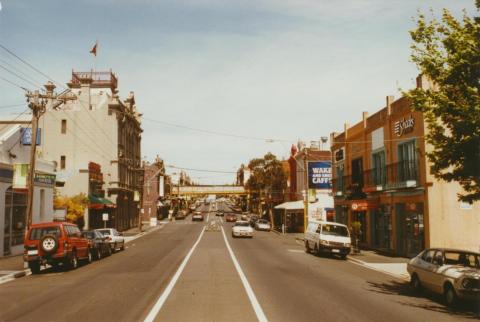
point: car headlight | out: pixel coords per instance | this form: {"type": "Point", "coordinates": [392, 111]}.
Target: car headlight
{"type": "Point", "coordinates": [324, 242]}
{"type": "Point", "coordinates": [347, 244]}
{"type": "Point", "coordinates": [470, 283]}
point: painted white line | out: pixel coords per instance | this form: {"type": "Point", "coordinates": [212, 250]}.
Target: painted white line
{"type": "Point", "coordinates": [161, 300]}
{"type": "Point", "coordinates": [253, 299]}
{"type": "Point", "coordinates": [208, 217]}
{"type": "Point", "coordinates": [296, 251]}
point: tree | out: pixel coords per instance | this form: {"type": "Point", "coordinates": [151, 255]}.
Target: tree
{"type": "Point", "coordinates": [447, 51]}
{"type": "Point", "coordinates": [75, 207]}
{"type": "Point", "coordinates": [267, 176]}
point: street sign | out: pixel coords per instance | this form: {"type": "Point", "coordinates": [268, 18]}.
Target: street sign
{"type": "Point", "coordinates": [105, 217]}
{"type": "Point", "coordinates": [319, 174]}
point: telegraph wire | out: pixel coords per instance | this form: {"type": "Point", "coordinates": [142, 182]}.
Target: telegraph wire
{"type": "Point", "coordinates": [200, 170]}
{"type": "Point", "coordinates": [12, 105]}
{"type": "Point", "coordinates": [18, 76]}
{"type": "Point", "coordinates": [18, 70]}
{"type": "Point", "coordinates": [14, 84]}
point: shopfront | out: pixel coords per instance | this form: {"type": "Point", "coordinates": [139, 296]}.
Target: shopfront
{"type": "Point", "coordinates": [15, 219]}
{"type": "Point", "coordinates": [382, 228]}
{"type": "Point", "coordinates": [410, 228]}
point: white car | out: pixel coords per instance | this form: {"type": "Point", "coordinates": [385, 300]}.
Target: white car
{"type": "Point", "coordinates": [453, 273]}
{"type": "Point", "coordinates": [197, 215]}
{"type": "Point", "coordinates": [263, 224]}
{"type": "Point", "coordinates": [113, 237]}
{"type": "Point", "coordinates": [242, 228]}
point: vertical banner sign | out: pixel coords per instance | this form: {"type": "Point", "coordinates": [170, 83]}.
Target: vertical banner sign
{"type": "Point", "coordinates": [161, 182]}
{"type": "Point", "coordinates": [26, 138]}
{"type": "Point", "coordinates": [320, 175]}
{"type": "Point", "coordinates": [20, 172]}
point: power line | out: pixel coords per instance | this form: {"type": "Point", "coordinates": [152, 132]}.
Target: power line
{"type": "Point", "coordinates": [14, 84]}
{"type": "Point", "coordinates": [18, 70]}
{"type": "Point", "coordinates": [12, 105]}
{"type": "Point", "coordinates": [15, 74]}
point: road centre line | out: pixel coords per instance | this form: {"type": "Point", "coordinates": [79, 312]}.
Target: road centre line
{"type": "Point", "coordinates": [253, 299]}
{"type": "Point", "coordinates": [161, 300]}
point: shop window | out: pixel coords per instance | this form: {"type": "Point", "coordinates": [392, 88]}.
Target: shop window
{"type": "Point", "coordinates": [357, 172]}
{"type": "Point", "coordinates": [339, 180]}
{"type": "Point", "coordinates": [15, 219]}
{"type": "Point", "coordinates": [382, 227]}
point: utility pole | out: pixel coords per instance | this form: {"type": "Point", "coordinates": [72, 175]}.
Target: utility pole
{"type": "Point", "coordinates": [305, 184]}
{"type": "Point", "coordinates": [37, 103]}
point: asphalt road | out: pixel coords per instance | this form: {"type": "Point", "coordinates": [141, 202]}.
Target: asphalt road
{"type": "Point", "coordinates": [274, 277]}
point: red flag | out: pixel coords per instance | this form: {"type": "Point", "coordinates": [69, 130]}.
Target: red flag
{"type": "Point", "coordinates": [94, 50]}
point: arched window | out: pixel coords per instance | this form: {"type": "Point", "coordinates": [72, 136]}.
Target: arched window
{"type": "Point", "coordinates": [15, 219]}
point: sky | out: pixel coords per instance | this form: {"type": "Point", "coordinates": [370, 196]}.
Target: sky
{"type": "Point", "coordinates": [268, 72]}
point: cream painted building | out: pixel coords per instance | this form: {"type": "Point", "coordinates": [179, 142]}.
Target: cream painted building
{"type": "Point", "coordinates": [97, 127]}
{"type": "Point", "coordinates": [14, 149]}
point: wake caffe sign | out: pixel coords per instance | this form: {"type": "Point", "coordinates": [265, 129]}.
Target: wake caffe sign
{"type": "Point", "coordinates": [404, 126]}
{"type": "Point", "coordinates": [319, 175]}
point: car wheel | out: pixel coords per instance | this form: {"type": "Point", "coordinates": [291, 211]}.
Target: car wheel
{"type": "Point", "coordinates": [89, 256]}
{"type": "Point", "coordinates": [73, 261]}
{"type": "Point", "coordinates": [114, 249]}
{"type": "Point", "coordinates": [109, 250]}
{"type": "Point", "coordinates": [343, 256]}
{"type": "Point", "coordinates": [449, 295]}
{"type": "Point", "coordinates": [315, 250]}
{"type": "Point", "coordinates": [49, 244]}
{"type": "Point", "coordinates": [307, 248]}
{"type": "Point", "coordinates": [34, 267]}
{"type": "Point", "coordinates": [99, 254]}
{"type": "Point", "coordinates": [123, 246]}
{"type": "Point", "coordinates": [415, 284]}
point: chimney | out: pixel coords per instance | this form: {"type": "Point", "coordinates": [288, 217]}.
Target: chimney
{"type": "Point", "coordinates": [364, 118]}
{"type": "Point", "coordinates": [345, 129]}
{"type": "Point", "coordinates": [390, 99]}
{"type": "Point", "coordinates": [85, 84]}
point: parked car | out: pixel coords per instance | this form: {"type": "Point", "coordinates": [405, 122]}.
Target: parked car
{"type": "Point", "coordinates": [181, 214]}
{"type": "Point", "coordinates": [197, 215]}
{"type": "Point", "coordinates": [231, 217]}
{"type": "Point", "coordinates": [453, 273]}
{"type": "Point", "coordinates": [55, 243]}
{"type": "Point", "coordinates": [242, 228]}
{"type": "Point", "coordinates": [328, 237]}
{"type": "Point", "coordinates": [253, 219]}
{"type": "Point", "coordinates": [244, 217]}
{"type": "Point", "coordinates": [220, 213]}
{"type": "Point", "coordinates": [114, 238]}
{"type": "Point", "coordinates": [98, 244]}
{"type": "Point", "coordinates": [263, 224]}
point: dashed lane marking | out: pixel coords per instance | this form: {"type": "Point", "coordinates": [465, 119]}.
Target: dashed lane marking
{"type": "Point", "coordinates": [161, 300]}
{"type": "Point", "coordinates": [296, 251]}
{"type": "Point", "coordinates": [253, 299]}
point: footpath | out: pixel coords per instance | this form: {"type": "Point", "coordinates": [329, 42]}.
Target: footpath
{"type": "Point", "coordinates": [12, 267]}
{"type": "Point", "coordinates": [393, 266]}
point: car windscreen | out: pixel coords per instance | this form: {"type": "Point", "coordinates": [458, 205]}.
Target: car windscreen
{"type": "Point", "coordinates": [461, 258]}
{"type": "Point", "coordinates": [334, 230]}
{"type": "Point", "coordinates": [88, 234]}
{"type": "Point", "coordinates": [104, 231]}
{"type": "Point", "coordinates": [242, 224]}
{"type": "Point", "coordinates": [38, 233]}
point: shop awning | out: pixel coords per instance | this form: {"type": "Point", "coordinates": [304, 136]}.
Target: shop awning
{"type": "Point", "coordinates": [291, 205]}
{"type": "Point", "coordinates": [99, 202]}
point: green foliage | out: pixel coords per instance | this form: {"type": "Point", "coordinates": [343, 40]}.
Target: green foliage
{"type": "Point", "coordinates": [267, 174]}
{"type": "Point", "coordinates": [75, 206]}
{"type": "Point", "coordinates": [447, 51]}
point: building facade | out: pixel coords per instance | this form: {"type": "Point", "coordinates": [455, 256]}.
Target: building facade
{"type": "Point", "coordinates": [153, 190]}
{"type": "Point", "coordinates": [15, 153]}
{"type": "Point", "coordinates": [97, 126]}
{"type": "Point", "coordinates": [382, 180]}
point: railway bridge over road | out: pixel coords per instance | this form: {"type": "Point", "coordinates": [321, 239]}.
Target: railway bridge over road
{"type": "Point", "coordinates": [208, 190]}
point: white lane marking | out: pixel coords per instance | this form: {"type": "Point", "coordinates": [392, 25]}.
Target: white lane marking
{"type": "Point", "coordinates": [208, 217]}
{"type": "Point", "coordinates": [296, 251]}
{"type": "Point", "coordinates": [253, 299]}
{"type": "Point", "coordinates": [161, 300]}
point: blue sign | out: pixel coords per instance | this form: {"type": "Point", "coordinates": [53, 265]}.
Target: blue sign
{"type": "Point", "coordinates": [320, 175]}
{"type": "Point", "coordinates": [27, 136]}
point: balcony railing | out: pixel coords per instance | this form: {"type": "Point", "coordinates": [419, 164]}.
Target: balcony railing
{"type": "Point", "coordinates": [402, 174]}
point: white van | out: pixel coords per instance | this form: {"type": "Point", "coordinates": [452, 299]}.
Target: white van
{"type": "Point", "coordinates": [327, 237]}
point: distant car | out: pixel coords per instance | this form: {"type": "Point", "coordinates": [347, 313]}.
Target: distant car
{"type": "Point", "coordinates": [181, 214]}
{"type": "Point", "coordinates": [220, 213]}
{"type": "Point", "coordinates": [55, 243]}
{"type": "Point", "coordinates": [114, 238]}
{"type": "Point", "coordinates": [244, 217]}
{"type": "Point", "coordinates": [453, 273]}
{"type": "Point", "coordinates": [197, 215]}
{"type": "Point", "coordinates": [242, 229]}
{"type": "Point", "coordinates": [231, 217]}
{"type": "Point", "coordinates": [253, 219]}
{"type": "Point", "coordinates": [98, 244]}
{"type": "Point", "coordinates": [263, 224]}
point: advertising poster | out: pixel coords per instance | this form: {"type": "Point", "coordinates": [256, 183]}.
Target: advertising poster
{"type": "Point", "coordinates": [320, 175]}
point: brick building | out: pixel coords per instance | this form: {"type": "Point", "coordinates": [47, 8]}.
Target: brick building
{"type": "Point", "coordinates": [381, 178]}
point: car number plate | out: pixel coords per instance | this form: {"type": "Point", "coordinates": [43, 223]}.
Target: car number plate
{"type": "Point", "coordinates": [32, 252]}
{"type": "Point", "coordinates": [335, 251]}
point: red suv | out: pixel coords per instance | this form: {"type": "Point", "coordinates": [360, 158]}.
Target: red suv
{"type": "Point", "coordinates": [55, 243]}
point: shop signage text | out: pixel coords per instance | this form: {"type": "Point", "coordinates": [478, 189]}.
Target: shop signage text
{"type": "Point", "coordinates": [404, 126]}
{"type": "Point", "coordinates": [320, 175]}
